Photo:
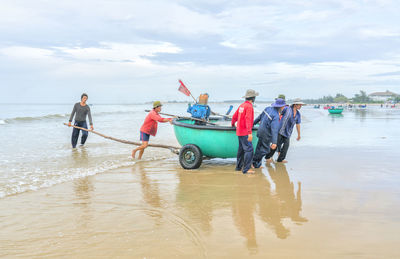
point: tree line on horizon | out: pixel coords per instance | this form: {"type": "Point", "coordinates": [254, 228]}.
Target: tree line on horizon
{"type": "Point", "coordinates": [361, 97]}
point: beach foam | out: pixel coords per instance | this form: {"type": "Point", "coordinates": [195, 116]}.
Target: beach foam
{"type": "Point", "coordinates": [38, 179]}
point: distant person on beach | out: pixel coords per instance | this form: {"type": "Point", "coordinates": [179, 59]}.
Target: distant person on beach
{"type": "Point", "coordinates": [80, 111]}
{"type": "Point", "coordinates": [149, 127]}
{"type": "Point", "coordinates": [290, 118]}
{"type": "Point", "coordinates": [268, 130]}
{"type": "Point", "coordinates": [243, 120]}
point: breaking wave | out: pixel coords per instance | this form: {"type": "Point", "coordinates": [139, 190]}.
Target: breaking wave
{"type": "Point", "coordinates": [35, 118]}
{"type": "Point", "coordinates": [54, 116]}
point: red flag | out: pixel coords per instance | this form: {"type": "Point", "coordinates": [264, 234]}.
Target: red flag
{"type": "Point", "coordinates": [182, 88]}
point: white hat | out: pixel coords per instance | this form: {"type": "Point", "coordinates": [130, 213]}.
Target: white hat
{"type": "Point", "coordinates": [298, 101]}
{"type": "Point", "coordinates": [250, 93]}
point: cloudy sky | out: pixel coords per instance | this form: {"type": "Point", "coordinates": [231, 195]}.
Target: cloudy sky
{"type": "Point", "coordinates": [126, 51]}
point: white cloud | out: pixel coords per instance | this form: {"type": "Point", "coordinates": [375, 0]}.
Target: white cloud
{"type": "Point", "coordinates": [307, 47]}
{"type": "Point", "coordinates": [222, 81]}
{"type": "Point", "coordinates": [120, 52]}
{"type": "Point", "coordinates": [379, 33]}
{"type": "Point", "coordinates": [27, 53]}
{"type": "Point", "coordinates": [229, 44]}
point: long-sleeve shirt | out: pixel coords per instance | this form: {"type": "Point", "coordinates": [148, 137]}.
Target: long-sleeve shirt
{"type": "Point", "coordinates": [244, 117]}
{"type": "Point", "coordinates": [150, 123]}
{"type": "Point", "coordinates": [80, 113]}
{"type": "Point", "coordinates": [269, 124]}
{"type": "Point", "coordinates": [288, 121]}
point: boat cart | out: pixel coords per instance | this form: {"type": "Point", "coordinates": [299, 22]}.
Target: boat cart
{"type": "Point", "coordinates": [199, 141]}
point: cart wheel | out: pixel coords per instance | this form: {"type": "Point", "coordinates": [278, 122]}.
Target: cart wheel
{"type": "Point", "coordinates": [190, 156]}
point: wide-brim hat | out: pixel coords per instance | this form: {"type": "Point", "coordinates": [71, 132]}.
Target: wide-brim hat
{"type": "Point", "coordinates": [157, 104]}
{"type": "Point", "coordinates": [279, 102]}
{"type": "Point", "coordinates": [298, 101]}
{"type": "Point", "coordinates": [250, 93]}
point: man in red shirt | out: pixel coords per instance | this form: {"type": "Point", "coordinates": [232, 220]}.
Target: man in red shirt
{"type": "Point", "coordinates": [243, 118]}
{"type": "Point", "coordinates": [149, 127]}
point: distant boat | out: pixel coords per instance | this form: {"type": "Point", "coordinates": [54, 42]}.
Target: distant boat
{"type": "Point", "coordinates": [335, 110]}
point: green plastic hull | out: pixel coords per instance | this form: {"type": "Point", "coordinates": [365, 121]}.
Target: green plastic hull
{"type": "Point", "coordinates": [214, 141]}
{"type": "Point", "coordinates": [335, 111]}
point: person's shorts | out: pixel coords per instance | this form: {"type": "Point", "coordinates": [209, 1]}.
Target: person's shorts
{"type": "Point", "coordinates": [144, 136]}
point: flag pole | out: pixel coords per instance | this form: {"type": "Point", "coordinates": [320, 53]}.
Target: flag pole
{"type": "Point", "coordinates": [180, 81]}
{"type": "Point", "coordinates": [193, 98]}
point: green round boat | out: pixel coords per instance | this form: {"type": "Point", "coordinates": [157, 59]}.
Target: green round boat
{"type": "Point", "coordinates": [212, 140]}
{"type": "Point", "coordinates": [335, 111]}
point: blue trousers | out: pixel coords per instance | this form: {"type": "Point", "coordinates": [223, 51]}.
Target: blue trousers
{"type": "Point", "coordinates": [263, 148]}
{"type": "Point", "coordinates": [75, 133]}
{"type": "Point", "coordinates": [244, 154]}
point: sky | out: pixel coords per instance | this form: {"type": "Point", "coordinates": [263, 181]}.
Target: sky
{"type": "Point", "coordinates": [130, 51]}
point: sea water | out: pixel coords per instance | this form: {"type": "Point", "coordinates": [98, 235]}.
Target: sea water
{"type": "Point", "coordinates": [36, 147]}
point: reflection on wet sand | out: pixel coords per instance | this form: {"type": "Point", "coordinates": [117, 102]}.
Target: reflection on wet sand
{"type": "Point", "coordinates": [201, 195]}
{"type": "Point", "coordinates": [284, 188]}
{"type": "Point", "coordinates": [150, 192]}
{"type": "Point", "coordinates": [83, 187]}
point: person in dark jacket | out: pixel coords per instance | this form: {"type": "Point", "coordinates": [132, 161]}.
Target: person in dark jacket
{"type": "Point", "coordinates": [243, 120]}
{"type": "Point", "coordinates": [291, 118]}
{"type": "Point", "coordinates": [81, 110]}
{"type": "Point", "coordinates": [268, 130]}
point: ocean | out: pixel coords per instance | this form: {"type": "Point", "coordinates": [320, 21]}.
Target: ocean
{"type": "Point", "coordinates": [36, 150]}
{"type": "Point", "coordinates": [335, 198]}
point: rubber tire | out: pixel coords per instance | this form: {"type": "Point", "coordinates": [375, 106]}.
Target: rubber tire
{"type": "Point", "coordinates": [190, 156]}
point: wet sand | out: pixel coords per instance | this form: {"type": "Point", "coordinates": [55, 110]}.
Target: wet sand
{"type": "Point", "coordinates": [325, 206]}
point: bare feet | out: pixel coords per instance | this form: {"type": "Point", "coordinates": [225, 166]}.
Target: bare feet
{"type": "Point", "coordinates": [283, 161]}
{"type": "Point", "coordinates": [250, 171]}
{"type": "Point", "coordinates": [133, 153]}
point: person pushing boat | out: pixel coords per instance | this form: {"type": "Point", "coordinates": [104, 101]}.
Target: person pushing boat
{"type": "Point", "coordinates": [243, 118]}
{"type": "Point", "coordinates": [267, 132]}
{"type": "Point", "coordinates": [290, 118]}
{"type": "Point", "coordinates": [149, 127]}
{"type": "Point", "coordinates": [81, 110]}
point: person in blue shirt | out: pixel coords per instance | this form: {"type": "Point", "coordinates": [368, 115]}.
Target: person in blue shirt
{"type": "Point", "coordinates": [200, 110]}
{"type": "Point", "coordinates": [290, 118]}
{"type": "Point", "coordinates": [267, 132]}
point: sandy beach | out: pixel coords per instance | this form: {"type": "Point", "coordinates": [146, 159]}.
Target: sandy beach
{"type": "Point", "coordinates": [155, 209]}
{"type": "Point", "coordinates": [337, 197]}
{"type": "Point", "coordinates": [182, 75]}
